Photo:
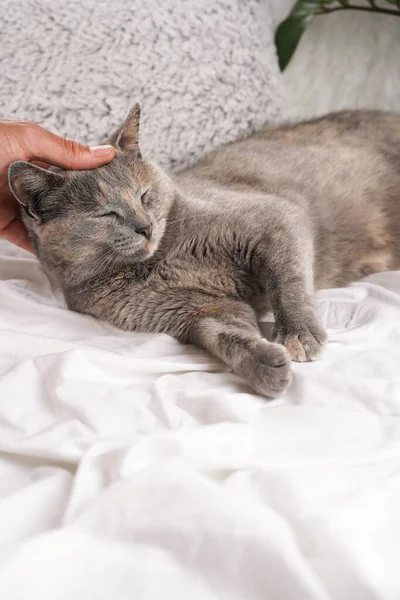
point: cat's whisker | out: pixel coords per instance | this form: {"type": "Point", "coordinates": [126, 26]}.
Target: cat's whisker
{"type": "Point", "coordinates": [110, 261]}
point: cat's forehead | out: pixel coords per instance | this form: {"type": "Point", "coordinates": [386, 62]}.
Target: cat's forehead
{"type": "Point", "coordinates": [113, 182]}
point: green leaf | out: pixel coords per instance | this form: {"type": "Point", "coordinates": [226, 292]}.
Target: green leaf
{"type": "Point", "coordinates": [290, 31]}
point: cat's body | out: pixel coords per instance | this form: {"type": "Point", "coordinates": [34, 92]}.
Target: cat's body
{"type": "Point", "coordinates": [258, 224]}
{"type": "Point", "coordinates": [341, 171]}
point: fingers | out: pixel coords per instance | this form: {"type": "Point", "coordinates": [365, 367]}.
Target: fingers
{"type": "Point", "coordinates": [42, 165]}
{"type": "Point", "coordinates": [16, 233]}
{"type": "Point", "coordinates": [11, 226]}
{"type": "Point", "coordinates": [42, 145]}
{"type": "Point", "coordinates": [28, 141]}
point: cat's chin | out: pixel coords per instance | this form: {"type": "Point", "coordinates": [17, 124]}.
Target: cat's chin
{"type": "Point", "coordinates": [141, 255]}
{"type": "Point", "coordinates": [150, 248]}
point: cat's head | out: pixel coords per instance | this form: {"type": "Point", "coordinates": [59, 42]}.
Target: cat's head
{"type": "Point", "coordinates": [82, 222]}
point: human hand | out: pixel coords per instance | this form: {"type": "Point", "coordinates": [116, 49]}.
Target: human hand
{"type": "Point", "coordinates": [30, 142]}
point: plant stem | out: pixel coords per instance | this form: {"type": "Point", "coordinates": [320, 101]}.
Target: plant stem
{"type": "Point", "coordinates": [386, 11]}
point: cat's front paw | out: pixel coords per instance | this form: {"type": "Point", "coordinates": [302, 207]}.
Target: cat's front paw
{"type": "Point", "coordinates": [266, 367]}
{"type": "Point", "coordinates": [304, 342]}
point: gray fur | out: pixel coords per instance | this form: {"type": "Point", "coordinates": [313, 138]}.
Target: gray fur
{"type": "Point", "coordinates": [258, 224]}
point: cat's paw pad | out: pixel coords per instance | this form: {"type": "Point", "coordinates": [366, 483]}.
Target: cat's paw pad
{"type": "Point", "coordinates": [303, 345]}
{"type": "Point", "coordinates": [303, 348]}
{"type": "Point", "coordinates": [267, 369]}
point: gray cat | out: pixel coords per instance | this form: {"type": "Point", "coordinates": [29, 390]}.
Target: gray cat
{"type": "Point", "coordinates": [259, 224]}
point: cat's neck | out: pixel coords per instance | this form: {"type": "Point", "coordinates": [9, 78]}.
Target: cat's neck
{"type": "Point", "coordinates": [184, 211]}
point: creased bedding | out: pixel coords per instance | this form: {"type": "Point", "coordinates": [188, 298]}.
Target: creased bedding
{"type": "Point", "coordinates": [135, 467]}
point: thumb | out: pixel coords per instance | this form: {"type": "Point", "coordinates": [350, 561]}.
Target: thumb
{"type": "Point", "coordinates": [42, 145]}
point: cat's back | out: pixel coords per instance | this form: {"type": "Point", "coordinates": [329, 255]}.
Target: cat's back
{"type": "Point", "coordinates": [343, 170]}
{"type": "Point", "coordinates": [303, 156]}
{"type": "Point", "coordinates": [349, 127]}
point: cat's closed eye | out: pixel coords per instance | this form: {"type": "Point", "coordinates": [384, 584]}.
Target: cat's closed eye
{"type": "Point", "coordinates": [109, 213]}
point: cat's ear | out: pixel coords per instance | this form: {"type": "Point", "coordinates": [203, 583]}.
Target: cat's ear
{"type": "Point", "coordinates": [127, 136]}
{"type": "Point", "coordinates": [31, 186]}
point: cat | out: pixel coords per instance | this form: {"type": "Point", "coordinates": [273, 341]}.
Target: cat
{"type": "Point", "coordinates": [258, 224]}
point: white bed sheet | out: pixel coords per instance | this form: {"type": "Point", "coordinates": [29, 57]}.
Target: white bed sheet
{"type": "Point", "coordinates": [134, 467]}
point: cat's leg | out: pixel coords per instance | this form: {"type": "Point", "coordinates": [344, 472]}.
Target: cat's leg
{"type": "Point", "coordinates": [229, 330]}
{"type": "Point", "coordinates": [282, 257]}
{"type": "Point", "coordinates": [223, 326]}
{"type": "Point", "coordinates": [297, 324]}
{"type": "Point", "coordinates": [301, 333]}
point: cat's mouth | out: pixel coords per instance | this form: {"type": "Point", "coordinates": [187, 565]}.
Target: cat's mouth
{"type": "Point", "coordinates": [149, 247]}
{"type": "Point", "coordinates": [134, 251]}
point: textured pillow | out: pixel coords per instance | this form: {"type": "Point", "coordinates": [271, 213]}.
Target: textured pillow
{"type": "Point", "coordinates": [205, 71]}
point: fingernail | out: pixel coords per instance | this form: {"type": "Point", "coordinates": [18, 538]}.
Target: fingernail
{"type": "Point", "coordinates": [101, 150]}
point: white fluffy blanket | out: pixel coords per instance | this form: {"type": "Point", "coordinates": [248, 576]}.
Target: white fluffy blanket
{"type": "Point", "coordinates": [204, 70]}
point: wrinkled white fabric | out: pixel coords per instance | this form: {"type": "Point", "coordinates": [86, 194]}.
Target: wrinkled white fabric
{"type": "Point", "coordinates": [134, 467]}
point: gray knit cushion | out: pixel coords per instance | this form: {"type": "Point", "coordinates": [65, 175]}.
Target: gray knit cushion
{"type": "Point", "coordinates": [205, 71]}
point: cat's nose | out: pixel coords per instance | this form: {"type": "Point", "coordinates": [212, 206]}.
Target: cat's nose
{"type": "Point", "coordinates": [145, 230]}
